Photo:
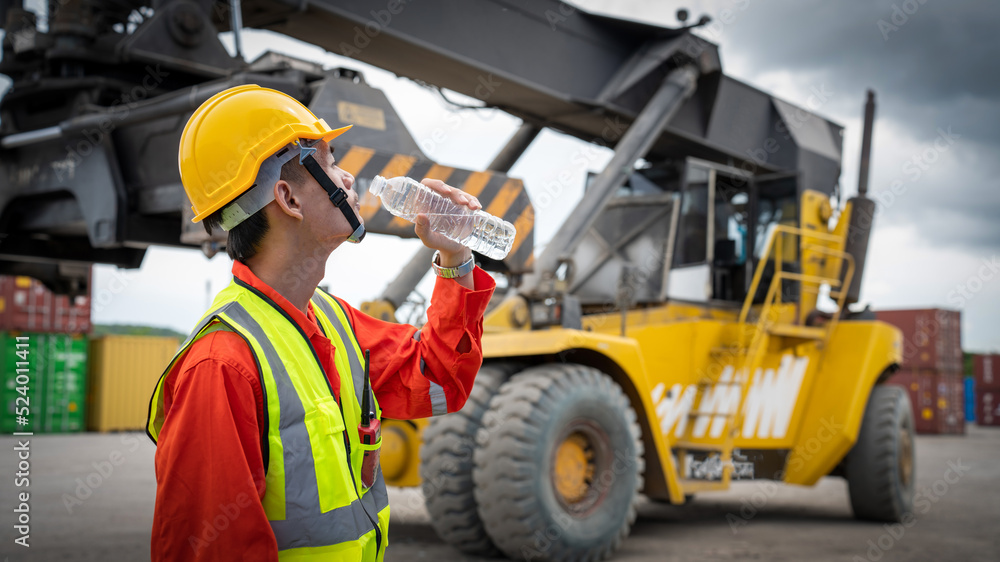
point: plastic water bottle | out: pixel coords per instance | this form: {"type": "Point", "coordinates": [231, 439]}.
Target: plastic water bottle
{"type": "Point", "coordinates": [480, 231]}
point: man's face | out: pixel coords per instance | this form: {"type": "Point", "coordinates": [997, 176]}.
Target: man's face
{"type": "Point", "coordinates": [326, 222]}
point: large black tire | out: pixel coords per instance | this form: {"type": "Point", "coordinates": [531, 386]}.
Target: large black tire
{"type": "Point", "coordinates": [532, 420]}
{"type": "Point", "coordinates": [879, 469]}
{"type": "Point", "coordinates": [446, 460]}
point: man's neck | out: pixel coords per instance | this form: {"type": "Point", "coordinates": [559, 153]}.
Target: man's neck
{"type": "Point", "coordinates": [292, 274]}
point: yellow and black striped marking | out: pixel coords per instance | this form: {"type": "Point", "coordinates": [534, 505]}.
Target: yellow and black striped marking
{"type": "Point", "coordinates": [500, 195]}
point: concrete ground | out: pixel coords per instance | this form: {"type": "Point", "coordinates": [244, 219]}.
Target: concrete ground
{"type": "Point", "coordinates": [92, 499]}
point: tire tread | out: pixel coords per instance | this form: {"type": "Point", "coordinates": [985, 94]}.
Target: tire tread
{"type": "Point", "coordinates": [871, 467]}
{"type": "Point", "coordinates": [504, 472]}
{"type": "Point", "coordinates": [446, 463]}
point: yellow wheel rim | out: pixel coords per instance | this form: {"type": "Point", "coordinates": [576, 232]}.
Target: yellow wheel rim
{"type": "Point", "coordinates": [573, 470]}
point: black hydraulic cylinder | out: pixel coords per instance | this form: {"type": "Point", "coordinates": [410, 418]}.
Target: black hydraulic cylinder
{"type": "Point", "coordinates": [858, 232]}
{"type": "Point", "coordinates": [862, 210]}
{"type": "Point", "coordinates": [866, 144]}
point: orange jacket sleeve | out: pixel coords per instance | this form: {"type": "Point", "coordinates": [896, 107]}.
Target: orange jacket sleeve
{"type": "Point", "coordinates": [209, 470]}
{"type": "Point", "coordinates": [420, 373]}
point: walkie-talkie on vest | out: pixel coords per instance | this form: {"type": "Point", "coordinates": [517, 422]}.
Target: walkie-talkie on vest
{"type": "Point", "coordinates": [370, 431]}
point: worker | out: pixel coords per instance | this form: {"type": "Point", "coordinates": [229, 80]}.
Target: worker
{"type": "Point", "coordinates": [258, 418]}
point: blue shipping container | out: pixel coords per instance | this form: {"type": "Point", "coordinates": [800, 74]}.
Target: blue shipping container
{"type": "Point", "coordinates": [970, 399]}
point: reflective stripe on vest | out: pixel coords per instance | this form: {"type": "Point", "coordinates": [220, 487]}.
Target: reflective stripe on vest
{"type": "Point", "coordinates": [309, 500]}
{"type": "Point", "coordinates": [354, 354]}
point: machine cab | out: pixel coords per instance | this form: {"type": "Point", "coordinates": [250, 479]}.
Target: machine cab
{"type": "Point", "coordinates": [717, 244]}
{"type": "Point", "coordinates": [659, 239]}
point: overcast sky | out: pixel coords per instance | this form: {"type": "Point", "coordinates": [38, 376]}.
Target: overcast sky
{"type": "Point", "coordinates": [932, 63]}
{"type": "Point", "coordinates": [935, 67]}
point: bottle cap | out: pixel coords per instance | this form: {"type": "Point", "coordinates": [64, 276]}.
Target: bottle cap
{"type": "Point", "coordinates": [377, 186]}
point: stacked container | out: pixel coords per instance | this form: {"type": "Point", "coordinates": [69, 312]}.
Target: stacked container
{"type": "Point", "coordinates": [55, 385]}
{"type": "Point", "coordinates": [20, 388]}
{"type": "Point", "coordinates": [43, 357]}
{"type": "Point", "coordinates": [123, 372]}
{"type": "Point", "coordinates": [26, 305]}
{"type": "Point", "coordinates": [932, 367]}
{"type": "Point", "coordinates": [970, 399]}
{"type": "Point", "coordinates": [986, 372]}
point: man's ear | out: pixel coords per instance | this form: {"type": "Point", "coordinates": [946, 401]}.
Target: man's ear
{"type": "Point", "coordinates": [288, 202]}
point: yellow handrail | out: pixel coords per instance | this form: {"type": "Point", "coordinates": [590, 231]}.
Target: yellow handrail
{"type": "Point", "coordinates": [750, 351]}
{"type": "Point", "coordinates": [818, 279]}
{"type": "Point", "coordinates": [775, 239]}
{"type": "Point", "coordinates": [753, 349]}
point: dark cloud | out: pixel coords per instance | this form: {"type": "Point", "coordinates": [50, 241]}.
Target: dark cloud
{"type": "Point", "coordinates": [956, 206]}
{"type": "Point", "coordinates": [945, 50]}
{"type": "Point", "coordinates": [935, 65]}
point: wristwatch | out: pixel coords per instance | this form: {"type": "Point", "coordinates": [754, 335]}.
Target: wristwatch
{"type": "Point", "coordinates": [452, 272]}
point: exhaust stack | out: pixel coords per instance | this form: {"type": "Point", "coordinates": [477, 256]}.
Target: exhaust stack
{"type": "Point", "coordinates": [862, 209]}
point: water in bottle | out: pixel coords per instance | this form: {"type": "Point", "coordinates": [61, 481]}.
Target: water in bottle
{"type": "Point", "coordinates": [480, 231]}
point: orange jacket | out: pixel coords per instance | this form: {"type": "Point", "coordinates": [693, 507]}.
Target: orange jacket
{"type": "Point", "coordinates": [209, 465]}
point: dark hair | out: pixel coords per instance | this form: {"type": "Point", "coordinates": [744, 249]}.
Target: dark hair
{"type": "Point", "coordinates": [245, 238]}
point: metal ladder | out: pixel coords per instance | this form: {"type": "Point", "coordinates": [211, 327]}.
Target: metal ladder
{"type": "Point", "coordinates": [745, 351]}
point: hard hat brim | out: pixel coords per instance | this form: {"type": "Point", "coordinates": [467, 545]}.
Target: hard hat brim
{"type": "Point", "coordinates": [251, 163]}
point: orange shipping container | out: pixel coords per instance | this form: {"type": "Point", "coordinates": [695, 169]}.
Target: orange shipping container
{"type": "Point", "coordinates": [937, 398]}
{"type": "Point", "coordinates": [932, 338]}
{"type": "Point", "coordinates": [988, 408]}
{"type": "Point", "coordinates": [27, 305]}
{"type": "Point", "coordinates": [986, 370]}
{"type": "Point", "coordinates": [123, 373]}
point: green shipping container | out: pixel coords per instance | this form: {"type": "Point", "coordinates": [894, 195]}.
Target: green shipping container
{"type": "Point", "coordinates": [65, 383]}
{"type": "Point", "coordinates": [21, 389]}
{"type": "Point", "coordinates": [56, 389]}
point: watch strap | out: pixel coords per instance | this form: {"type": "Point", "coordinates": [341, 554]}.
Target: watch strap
{"type": "Point", "coordinates": [452, 272]}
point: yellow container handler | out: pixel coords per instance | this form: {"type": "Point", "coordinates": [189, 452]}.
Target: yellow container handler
{"type": "Point", "coordinates": [666, 346]}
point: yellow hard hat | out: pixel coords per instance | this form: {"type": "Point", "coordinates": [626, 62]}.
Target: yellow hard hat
{"type": "Point", "coordinates": [231, 134]}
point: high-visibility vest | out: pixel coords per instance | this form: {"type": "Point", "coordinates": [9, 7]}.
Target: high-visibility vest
{"type": "Point", "coordinates": [314, 500]}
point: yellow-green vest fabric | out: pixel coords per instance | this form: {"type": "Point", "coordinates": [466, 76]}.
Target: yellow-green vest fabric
{"type": "Point", "coordinates": [314, 499]}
